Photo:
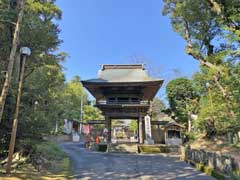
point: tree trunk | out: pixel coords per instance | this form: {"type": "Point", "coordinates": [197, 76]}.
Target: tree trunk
{"type": "Point", "coordinates": [12, 56]}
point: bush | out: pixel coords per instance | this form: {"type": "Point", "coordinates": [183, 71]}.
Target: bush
{"type": "Point", "coordinates": [48, 156]}
{"type": "Point", "coordinates": [49, 150]}
{"type": "Point", "coordinates": [190, 136]}
{"type": "Point", "coordinates": [236, 174]}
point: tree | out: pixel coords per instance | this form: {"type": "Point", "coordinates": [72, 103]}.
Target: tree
{"type": "Point", "coordinates": [213, 117]}
{"type": "Point", "coordinates": [43, 79]}
{"type": "Point", "coordinates": [91, 113]}
{"type": "Point", "coordinates": [183, 98]}
{"type": "Point", "coordinates": [72, 96]}
{"type": "Point", "coordinates": [201, 33]}
{"type": "Point", "coordinates": [12, 57]}
{"type": "Point", "coordinates": [228, 15]}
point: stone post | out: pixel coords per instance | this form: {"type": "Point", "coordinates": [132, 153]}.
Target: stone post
{"type": "Point", "coordinates": [140, 129]}
{"type": "Point", "coordinates": [211, 160]}
{"type": "Point", "coordinates": [148, 130]}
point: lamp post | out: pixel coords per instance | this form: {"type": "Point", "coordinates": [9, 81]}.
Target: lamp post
{"type": "Point", "coordinates": [208, 85]}
{"type": "Point", "coordinates": [24, 51]}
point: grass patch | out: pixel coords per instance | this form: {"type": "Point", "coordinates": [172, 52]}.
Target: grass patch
{"type": "Point", "coordinates": [237, 145]}
{"type": "Point", "coordinates": [208, 170]}
{"type": "Point", "coordinates": [153, 149]}
{"type": "Point", "coordinates": [200, 166]}
{"type": "Point", "coordinates": [236, 174]}
{"type": "Point", "coordinates": [218, 175]}
{"type": "Point", "coordinates": [48, 162]}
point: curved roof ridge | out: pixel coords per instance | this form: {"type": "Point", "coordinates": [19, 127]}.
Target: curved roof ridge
{"type": "Point", "coordinates": [122, 66]}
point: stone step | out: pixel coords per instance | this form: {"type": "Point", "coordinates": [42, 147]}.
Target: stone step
{"type": "Point", "coordinates": [123, 148]}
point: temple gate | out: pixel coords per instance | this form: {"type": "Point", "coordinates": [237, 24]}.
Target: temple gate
{"type": "Point", "coordinates": [124, 92]}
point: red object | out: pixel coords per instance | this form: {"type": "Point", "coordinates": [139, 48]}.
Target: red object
{"type": "Point", "coordinates": [86, 129]}
{"type": "Point", "coordinates": [97, 140]}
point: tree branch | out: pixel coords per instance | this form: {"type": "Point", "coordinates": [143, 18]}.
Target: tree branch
{"type": "Point", "coordinates": [204, 62]}
{"type": "Point", "coordinates": [193, 53]}
{"type": "Point", "coordinates": [217, 8]}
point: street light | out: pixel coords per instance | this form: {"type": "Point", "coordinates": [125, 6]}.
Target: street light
{"type": "Point", "coordinates": [24, 52]}
{"type": "Point", "coordinates": [208, 86]}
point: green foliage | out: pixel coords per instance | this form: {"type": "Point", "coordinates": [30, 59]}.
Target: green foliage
{"type": "Point", "coordinates": [43, 75]}
{"type": "Point", "coordinates": [49, 150]}
{"type": "Point", "coordinates": [213, 114]}
{"type": "Point", "coordinates": [211, 31]}
{"type": "Point", "coordinates": [133, 126]}
{"type": "Point", "coordinates": [46, 97]}
{"type": "Point", "coordinates": [91, 113]}
{"type": "Point", "coordinates": [191, 136]}
{"type": "Point", "coordinates": [71, 98]}
{"type": "Point", "coordinates": [47, 156]}
{"type": "Point", "coordinates": [236, 174]}
{"type": "Point", "coordinates": [182, 98]}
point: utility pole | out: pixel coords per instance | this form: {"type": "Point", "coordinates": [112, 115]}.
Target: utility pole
{"type": "Point", "coordinates": [25, 51]}
{"type": "Point", "coordinates": [81, 115]}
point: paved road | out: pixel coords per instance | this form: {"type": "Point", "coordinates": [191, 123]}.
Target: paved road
{"type": "Point", "coordinates": [97, 165]}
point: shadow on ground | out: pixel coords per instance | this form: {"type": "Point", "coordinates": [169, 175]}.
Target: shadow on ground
{"type": "Point", "coordinates": [97, 165]}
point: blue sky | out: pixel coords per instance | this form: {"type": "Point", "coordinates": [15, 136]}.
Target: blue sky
{"type": "Point", "coordinates": [118, 32]}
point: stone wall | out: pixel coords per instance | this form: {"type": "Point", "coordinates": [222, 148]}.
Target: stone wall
{"type": "Point", "coordinates": [218, 162]}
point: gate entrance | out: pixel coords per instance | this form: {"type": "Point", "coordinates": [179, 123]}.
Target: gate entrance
{"type": "Point", "coordinates": [124, 131]}
{"type": "Point", "coordinates": [124, 92]}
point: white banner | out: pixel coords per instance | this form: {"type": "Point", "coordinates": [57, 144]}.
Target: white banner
{"type": "Point", "coordinates": [148, 131]}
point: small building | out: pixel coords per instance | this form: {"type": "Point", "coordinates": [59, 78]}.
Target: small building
{"type": "Point", "coordinates": [167, 132]}
{"type": "Point", "coordinates": [173, 133]}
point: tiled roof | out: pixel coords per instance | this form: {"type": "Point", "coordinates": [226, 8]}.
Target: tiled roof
{"type": "Point", "coordinates": [122, 73]}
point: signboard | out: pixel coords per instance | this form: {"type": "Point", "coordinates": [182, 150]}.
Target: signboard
{"type": "Point", "coordinates": [148, 131]}
{"type": "Point", "coordinates": [96, 122]}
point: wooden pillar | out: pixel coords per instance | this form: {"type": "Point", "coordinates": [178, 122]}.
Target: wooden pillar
{"type": "Point", "coordinates": [166, 135]}
{"type": "Point", "coordinates": [109, 130]}
{"type": "Point", "coordinates": [108, 126]}
{"type": "Point", "coordinates": [140, 130]}
{"type": "Point", "coordinates": [143, 129]}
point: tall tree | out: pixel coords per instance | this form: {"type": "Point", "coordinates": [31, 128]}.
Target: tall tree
{"type": "Point", "coordinates": [44, 79]}
{"type": "Point", "coordinates": [201, 27]}
{"type": "Point", "coordinates": [12, 57]}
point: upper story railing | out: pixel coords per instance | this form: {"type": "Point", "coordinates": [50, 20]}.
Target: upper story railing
{"type": "Point", "coordinates": [112, 102]}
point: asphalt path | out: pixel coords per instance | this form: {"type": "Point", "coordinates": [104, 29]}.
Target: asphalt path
{"type": "Point", "coordinates": [97, 165]}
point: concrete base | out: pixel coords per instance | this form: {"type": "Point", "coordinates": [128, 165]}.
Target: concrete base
{"type": "Point", "coordinates": [148, 141]}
